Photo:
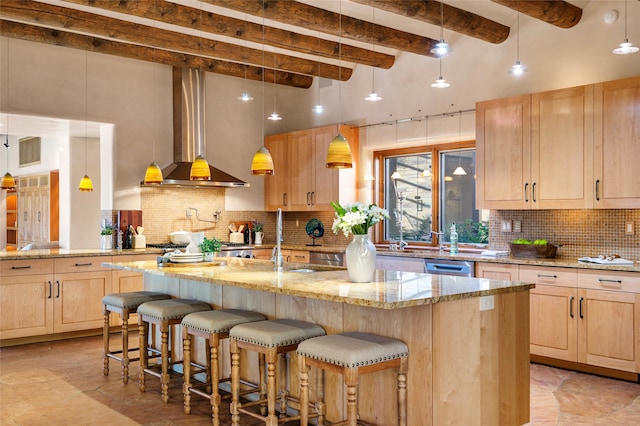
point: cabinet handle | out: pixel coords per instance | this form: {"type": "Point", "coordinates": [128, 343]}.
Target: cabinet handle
{"type": "Point", "coordinates": [610, 283]}
{"type": "Point", "coordinates": [25, 216]}
{"type": "Point", "coordinates": [571, 306]}
{"type": "Point", "coordinates": [597, 189]}
{"type": "Point", "coordinates": [284, 198]}
{"type": "Point", "coordinates": [313, 198]}
{"type": "Point", "coordinates": [299, 256]}
{"type": "Point", "coordinates": [547, 276]}
{"type": "Point", "coordinates": [39, 219]}
{"type": "Point", "coordinates": [533, 192]}
{"type": "Point", "coordinates": [84, 264]}
{"type": "Point", "coordinates": [50, 290]}
{"type": "Point", "coordinates": [58, 289]}
{"type": "Point", "coordinates": [308, 198]}
{"type": "Point", "coordinates": [21, 267]}
{"type": "Point", "coordinates": [526, 189]}
{"type": "Point", "coordinates": [581, 300]}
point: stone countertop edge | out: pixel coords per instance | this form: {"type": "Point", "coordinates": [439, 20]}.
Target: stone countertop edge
{"type": "Point", "coordinates": [55, 253]}
{"type": "Point", "coordinates": [388, 289]}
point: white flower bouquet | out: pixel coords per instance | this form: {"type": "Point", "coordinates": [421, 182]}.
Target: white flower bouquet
{"type": "Point", "coordinates": [356, 218]}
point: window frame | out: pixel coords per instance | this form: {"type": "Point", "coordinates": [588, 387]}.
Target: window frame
{"type": "Point", "coordinates": [378, 189]}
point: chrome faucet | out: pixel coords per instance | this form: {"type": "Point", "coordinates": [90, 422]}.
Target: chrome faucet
{"type": "Point", "coordinates": [440, 236]}
{"type": "Point", "coordinates": [277, 255]}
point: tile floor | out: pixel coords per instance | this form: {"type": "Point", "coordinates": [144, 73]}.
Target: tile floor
{"type": "Point", "coordinates": [61, 383]}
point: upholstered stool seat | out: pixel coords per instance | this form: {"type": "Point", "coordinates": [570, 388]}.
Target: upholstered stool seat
{"type": "Point", "coordinates": [165, 314]}
{"type": "Point", "coordinates": [213, 326]}
{"type": "Point", "coordinates": [352, 354]}
{"type": "Point", "coordinates": [124, 304]}
{"type": "Point", "coordinates": [271, 339]}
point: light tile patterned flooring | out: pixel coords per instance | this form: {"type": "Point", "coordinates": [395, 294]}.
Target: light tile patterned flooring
{"type": "Point", "coordinates": [61, 383]}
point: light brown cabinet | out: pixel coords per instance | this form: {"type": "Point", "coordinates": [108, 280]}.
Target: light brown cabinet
{"type": "Point", "coordinates": [497, 271]}
{"type": "Point", "coordinates": [301, 181]}
{"type": "Point", "coordinates": [38, 212]}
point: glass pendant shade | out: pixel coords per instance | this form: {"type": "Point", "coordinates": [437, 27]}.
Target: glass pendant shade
{"type": "Point", "coordinates": [262, 163]}
{"type": "Point", "coordinates": [200, 169]}
{"type": "Point", "coordinates": [245, 97]}
{"type": "Point", "coordinates": [440, 83]}
{"type": "Point", "coordinates": [459, 171]}
{"type": "Point", "coordinates": [274, 116]}
{"type": "Point", "coordinates": [339, 154]}
{"type": "Point", "coordinates": [426, 173]}
{"type": "Point", "coordinates": [86, 185]}
{"type": "Point", "coordinates": [396, 175]}
{"type": "Point", "coordinates": [442, 48]}
{"type": "Point", "coordinates": [518, 68]}
{"type": "Point", "coordinates": [318, 109]}
{"type": "Point", "coordinates": [153, 174]}
{"type": "Point", "coordinates": [373, 97]}
{"type": "Point", "coordinates": [8, 182]}
{"type": "Point", "coordinates": [625, 48]}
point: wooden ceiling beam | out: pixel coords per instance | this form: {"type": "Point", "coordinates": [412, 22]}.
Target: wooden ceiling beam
{"type": "Point", "coordinates": [188, 17]}
{"type": "Point", "coordinates": [316, 19]}
{"type": "Point", "coordinates": [101, 26]}
{"type": "Point", "coordinates": [455, 19]}
{"type": "Point", "coordinates": [554, 12]}
{"type": "Point", "coordinates": [56, 37]}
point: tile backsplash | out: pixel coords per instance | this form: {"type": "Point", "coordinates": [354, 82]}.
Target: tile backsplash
{"type": "Point", "coordinates": [581, 232]}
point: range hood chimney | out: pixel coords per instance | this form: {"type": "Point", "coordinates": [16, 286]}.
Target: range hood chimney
{"type": "Point", "coordinates": [188, 134]}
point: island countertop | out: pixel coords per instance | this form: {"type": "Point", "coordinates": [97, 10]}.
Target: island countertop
{"type": "Point", "coordinates": [387, 290]}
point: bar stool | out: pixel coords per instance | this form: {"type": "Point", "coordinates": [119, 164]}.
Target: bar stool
{"type": "Point", "coordinates": [165, 314]}
{"type": "Point", "coordinates": [213, 326]}
{"type": "Point", "coordinates": [124, 304]}
{"type": "Point", "coordinates": [352, 354]}
{"type": "Point", "coordinates": [271, 339]}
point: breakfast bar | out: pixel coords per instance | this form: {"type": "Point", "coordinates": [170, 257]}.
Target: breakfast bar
{"type": "Point", "coordinates": [468, 338]}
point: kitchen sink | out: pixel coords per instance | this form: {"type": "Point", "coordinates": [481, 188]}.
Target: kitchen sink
{"type": "Point", "coordinates": [304, 270]}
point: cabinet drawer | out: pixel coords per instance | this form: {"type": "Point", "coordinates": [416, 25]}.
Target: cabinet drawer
{"type": "Point", "coordinates": [615, 281]}
{"type": "Point", "coordinates": [131, 258]}
{"type": "Point", "coordinates": [12, 268]}
{"type": "Point", "coordinates": [299, 256]}
{"type": "Point", "coordinates": [563, 277]}
{"type": "Point", "coordinates": [80, 264]}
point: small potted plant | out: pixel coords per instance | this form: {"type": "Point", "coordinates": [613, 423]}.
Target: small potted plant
{"type": "Point", "coordinates": [257, 229]}
{"type": "Point", "coordinates": [208, 247]}
{"type": "Point", "coordinates": [106, 236]}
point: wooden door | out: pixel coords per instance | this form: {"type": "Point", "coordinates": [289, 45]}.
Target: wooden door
{"type": "Point", "coordinates": [609, 329]}
{"type": "Point", "coordinates": [617, 144]}
{"type": "Point", "coordinates": [276, 187]}
{"type": "Point", "coordinates": [26, 306]}
{"type": "Point", "coordinates": [325, 185]}
{"type": "Point", "coordinates": [301, 165]}
{"type": "Point", "coordinates": [78, 300]}
{"type": "Point", "coordinates": [503, 153]}
{"type": "Point", "coordinates": [496, 271]}
{"type": "Point", "coordinates": [554, 316]}
{"type": "Point", "coordinates": [562, 148]}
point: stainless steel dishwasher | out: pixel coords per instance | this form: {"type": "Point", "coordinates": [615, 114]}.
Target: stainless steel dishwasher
{"type": "Point", "coordinates": [330, 259]}
{"type": "Point", "coordinates": [460, 268]}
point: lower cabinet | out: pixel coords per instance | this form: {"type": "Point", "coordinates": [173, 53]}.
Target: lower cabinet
{"type": "Point", "coordinates": [497, 271]}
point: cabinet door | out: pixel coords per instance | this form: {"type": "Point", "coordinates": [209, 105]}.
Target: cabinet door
{"type": "Point", "coordinates": [503, 153]}
{"type": "Point", "coordinates": [26, 306]}
{"type": "Point", "coordinates": [326, 186]}
{"type": "Point", "coordinates": [299, 256]}
{"type": "Point", "coordinates": [553, 324]}
{"type": "Point", "coordinates": [276, 187]}
{"type": "Point", "coordinates": [617, 143]}
{"type": "Point", "coordinates": [78, 300]}
{"type": "Point", "coordinates": [496, 271]}
{"type": "Point", "coordinates": [609, 329]}
{"type": "Point", "coordinates": [301, 164]}
{"type": "Point", "coordinates": [562, 148]}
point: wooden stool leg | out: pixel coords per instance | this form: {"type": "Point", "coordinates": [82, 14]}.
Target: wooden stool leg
{"type": "Point", "coordinates": [235, 382]}
{"type": "Point", "coordinates": [272, 359]}
{"type": "Point", "coordinates": [186, 369]}
{"type": "Point", "coordinates": [263, 382]}
{"type": "Point", "coordinates": [304, 390]}
{"type": "Point", "coordinates": [208, 364]}
{"type": "Point", "coordinates": [143, 328]}
{"type": "Point", "coordinates": [105, 339]}
{"type": "Point", "coordinates": [164, 376]}
{"type": "Point", "coordinates": [125, 346]}
{"type": "Point", "coordinates": [282, 361]}
{"type": "Point", "coordinates": [402, 392]}
{"type": "Point", "coordinates": [351, 381]}
{"type": "Point", "coordinates": [320, 405]}
{"type": "Point", "coordinates": [214, 378]}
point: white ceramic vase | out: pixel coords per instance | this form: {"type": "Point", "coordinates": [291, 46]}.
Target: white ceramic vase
{"type": "Point", "coordinates": [259, 237]}
{"type": "Point", "coordinates": [106, 242]}
{"type": "Point", "coordinates": [361, 259]}
{"type": "Point", "coordinates": [208, 256]}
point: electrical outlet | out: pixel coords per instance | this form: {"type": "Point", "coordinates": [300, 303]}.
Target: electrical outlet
{"type": "Point", "coordinates": [486, 303]}
{"type": "Point", "coordinates": [517, 226]}
{"type": "Point", "coordinates": [297, 223]}
{"type": "Point", "coordinates": [628, 228]}
{"type": "Point", "coordinates": [506, 226]}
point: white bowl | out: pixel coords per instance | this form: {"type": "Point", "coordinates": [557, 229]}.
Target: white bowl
{"type": "Point", "coordinates": [180, 237]}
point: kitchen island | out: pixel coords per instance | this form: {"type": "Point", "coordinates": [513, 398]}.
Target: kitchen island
{"type": "Point", "coordinates": [468, 338]}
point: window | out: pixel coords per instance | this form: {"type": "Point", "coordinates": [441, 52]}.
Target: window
{"type": "Point", "coordinates": [428, 189]}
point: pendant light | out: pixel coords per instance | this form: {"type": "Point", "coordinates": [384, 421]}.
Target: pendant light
{"type": "Point", "coordinates": [318, 108]}
{"type": "Point", "coordinates": [427, 170]}
{"type": "Point", "coordinates": [339, 153]}
{"type": "Point", "coordinates": [459, 171]}
{"type": "Point", "coordinates": [625, 47]}
{"type": "Point", "coordinates": [396, 174]}
{"type": "Point", "coordinates": [262, 162]}
{"type": "Point", "coordinates": [440, 82]}
{"type": "Point", "coordinates": [86, 185]}
{"type": "Point", "coordinates": [153, 174]}
{"type": "Point", "coordinates": [8, 182]}
{"type": "Point", "coordinates": [274, 116]}
{"type": "Point", "coordinates": [200, 166]}
{"type": "Point", "coordinates": [245, 96]}
{"type": "Point", "coordinates": [518, 68]}
{"type": "Point", "coordinates": [368, 176]}
{"type": "Point", "coordinates": [373, 96]}
{"type": "Point", "coordinates": [442, 48]}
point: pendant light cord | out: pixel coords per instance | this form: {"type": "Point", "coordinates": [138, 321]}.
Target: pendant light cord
{"type": "Point", "coordinates": [340, 68]}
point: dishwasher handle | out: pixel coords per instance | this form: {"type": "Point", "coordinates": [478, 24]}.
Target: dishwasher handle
{"type": "Point", "coordinates": [461, 269]}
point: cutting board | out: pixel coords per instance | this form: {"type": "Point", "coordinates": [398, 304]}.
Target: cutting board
{"type": "Point", "coordinates": [129, 217]}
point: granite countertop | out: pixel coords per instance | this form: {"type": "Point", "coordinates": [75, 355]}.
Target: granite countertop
{"type": "Point", "coordinates": [59, 252]}
{"type": "Point", "coordinates": [388, 289]}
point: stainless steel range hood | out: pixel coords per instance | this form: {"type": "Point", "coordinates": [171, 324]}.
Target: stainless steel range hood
{"type": "Point", "coordinates": [188, 134]}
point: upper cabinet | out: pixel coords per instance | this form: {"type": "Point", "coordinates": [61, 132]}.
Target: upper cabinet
{"type": "Point", "coordinates": [617, 143]}
{"type": "Point", "coordinates": [302, 182]}
{"type": "Point", "coordinates": [564, 149]}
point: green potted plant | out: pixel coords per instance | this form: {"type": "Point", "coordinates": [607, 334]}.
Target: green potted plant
{"type": "Point", "coordinates": [106, 236]}
{"type": "Point", "coordinates": [208, 247]}
{"type": "Point", "coordinates": [257, 229]}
